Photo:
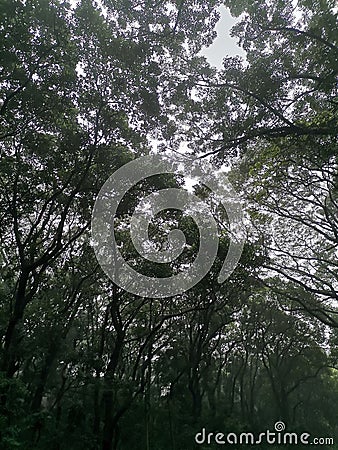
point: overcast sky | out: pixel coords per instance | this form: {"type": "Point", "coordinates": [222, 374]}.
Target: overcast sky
{"type": "Point", "coordinates": [224, 44]}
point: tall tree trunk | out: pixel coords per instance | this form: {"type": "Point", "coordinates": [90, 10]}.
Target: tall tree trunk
{"type": "Point", "coordinates": [108, 401]}
{"type": "Point", "coordinates": [9, 362]}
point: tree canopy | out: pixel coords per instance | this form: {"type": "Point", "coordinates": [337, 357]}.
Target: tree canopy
{"type": "Point", "coordinates": [85, 88]}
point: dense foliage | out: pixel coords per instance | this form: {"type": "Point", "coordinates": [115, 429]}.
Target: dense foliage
{"type": "Point", "coordinates": [86, 87]}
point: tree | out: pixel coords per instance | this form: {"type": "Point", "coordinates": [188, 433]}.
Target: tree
{"type": "Point", "coordinates": [285, 87]}
{"type": "Point", "coordinates": [80, 92]}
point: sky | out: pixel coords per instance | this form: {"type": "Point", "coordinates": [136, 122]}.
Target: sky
{"type": "Point", "coordinates": [224, 44]}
